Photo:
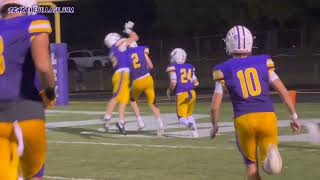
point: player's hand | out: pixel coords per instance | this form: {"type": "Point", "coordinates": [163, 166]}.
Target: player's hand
{"type": "Point", "coordinates": [214, 131]}
{"type": "Point", "coordinates": [295, 123]}
{"type": "Point", "coordinates": [168, 92]}
{"type": "Point", "coordinates": [128, 27]}
{"type": "Point", "coordinates": [48, 98]}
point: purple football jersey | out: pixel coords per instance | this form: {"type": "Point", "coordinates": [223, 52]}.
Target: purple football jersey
{"type": "Point", "coordinates": [122, 58]}
{"type": "Point", "coordinates": [184, 74]}
{"type": "Point", "coordinates": [138, 63]}
{"type": "Point", "coordinates": [17, 78]}
{"type": "Point", "coordinates": [247, 80]}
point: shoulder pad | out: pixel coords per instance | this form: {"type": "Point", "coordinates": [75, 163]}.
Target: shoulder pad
{"type": "Point", "coordinates": [217, 73]}
{"type": "Point", "coordinates": [39, 24]}
{"type": "Point", "coordinates": [270, 64]}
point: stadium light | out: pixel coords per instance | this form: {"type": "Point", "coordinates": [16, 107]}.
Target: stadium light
{"type": "Point", "coordinates": [57, 17]}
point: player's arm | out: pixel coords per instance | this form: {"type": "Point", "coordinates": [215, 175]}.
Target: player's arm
{"type": "Point", "coordinates": [42, 61]}
{"type": "Point", "coordinates": [133, 37]}
{"type": "Point", "coordinates": [216, 102]}
{"type": "Point", "coordinates": [114, 61]}
{"type": "Point", "coordinates": [277, 85]}
{"type": "Point", "coordinates": [173, 80]}
{"type": "Point", "coordinates": [125, 42]}
{"type": "Point", "coordinates": [215, 107]}
{"type": "Point", "coordinates": [195, 80]}
{"type": "Point", "coordinates": [149, 62]}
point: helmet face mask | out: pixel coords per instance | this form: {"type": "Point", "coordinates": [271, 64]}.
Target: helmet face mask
{"type": "Point", "coordinates": [178, 56]}
{"type": "Point", "coordinates": [239, 40]}
{"type": "Point", "coordinates": [111, 39]}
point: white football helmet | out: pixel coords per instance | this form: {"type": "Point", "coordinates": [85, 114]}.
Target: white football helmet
{"type": "Point", "coordinates": [111, 39]}
{"type": "Point", "coordinates": [239, 40]}
{"type": "Point", "coordinates": [178, 56]}
{"type": "Point", "coordinates": [24, 3]}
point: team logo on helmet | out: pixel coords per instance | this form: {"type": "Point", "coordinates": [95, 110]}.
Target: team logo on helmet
{"type": "Point", "coordinates": [178, 56]}
{"type": "Point", "coordinates": [239, 40]}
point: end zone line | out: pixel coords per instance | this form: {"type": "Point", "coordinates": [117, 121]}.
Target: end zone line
{"type": "Point", "coordinates": [141, 145]}
{"type": "Point", "coordinates": [64, 178]}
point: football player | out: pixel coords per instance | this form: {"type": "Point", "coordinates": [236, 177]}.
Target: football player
{"type": "Point", "coordinates": [142, 82]}
{"type": "Point", "coordinates": [24, 50]}
{"type": "Point", "coordinates": [183, 81]}
{"type": "Point", "coordinates": [121, 77]}
{"type": "Point", "coordinates": [247, 79]}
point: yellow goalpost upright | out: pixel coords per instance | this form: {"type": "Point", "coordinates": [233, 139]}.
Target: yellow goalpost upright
{"type": "Point", "coordinates": [59, 55]}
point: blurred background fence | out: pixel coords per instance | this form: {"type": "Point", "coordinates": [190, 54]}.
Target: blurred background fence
{"type": "Point", "coordinates": [295, 52]}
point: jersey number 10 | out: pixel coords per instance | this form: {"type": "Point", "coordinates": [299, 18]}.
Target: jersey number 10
{"type": "Point", "coordinates": [2, 63]}
{"type": "Point", "coordinates": [249, 81]}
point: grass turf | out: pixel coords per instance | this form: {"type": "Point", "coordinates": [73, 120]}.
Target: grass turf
{"type": "Point", "coordinates": [216, 159]}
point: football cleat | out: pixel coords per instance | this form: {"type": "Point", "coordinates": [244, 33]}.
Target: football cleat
{"type": "Point", "coordinates": [140, 127]}
{"type": "Point", "coordinates": [160, 132]}
{"type": "Point", "coordinates": [140, 124]}
{"type": "Point", "coordinates": [273, 162]}
{"type": "Point", "coordinates": [195, 133]}
{"type": "Point", "coordinates": [106, 124]}
{"type": "Point", "coordinates": [121, 128]}
{"type": "Point", "coordinates": [194, 130]}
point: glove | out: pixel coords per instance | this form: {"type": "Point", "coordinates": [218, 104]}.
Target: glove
{"type": "Point", "coordinates": [128, 27]}
{"type": "Point", "coordinates": [214, 131]}
{"type": "Point", "coordinates": [48, 97]}
{"type": "Point", "coordinates": [168, 92]}
{"type": "Point", "coordinates": [294, 123]}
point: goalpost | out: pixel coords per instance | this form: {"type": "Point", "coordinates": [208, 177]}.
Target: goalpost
{"type": "Point", "coordinates": [59, 56]}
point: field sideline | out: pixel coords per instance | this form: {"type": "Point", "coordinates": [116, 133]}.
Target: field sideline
{"type": "Point", "coordinates": [78, 150]}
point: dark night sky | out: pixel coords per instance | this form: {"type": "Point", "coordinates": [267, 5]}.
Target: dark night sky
{"type": "Point", "coordinates": [156, 19]}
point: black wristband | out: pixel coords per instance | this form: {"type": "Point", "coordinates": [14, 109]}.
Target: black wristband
{"type": "Point", "coordinates": [50, 93]}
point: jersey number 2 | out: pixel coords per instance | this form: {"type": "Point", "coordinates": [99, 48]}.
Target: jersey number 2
{"type": "Point", "coordinates": [135, 59]}
{"type": "Point", "coordinates": [249, 81]}
{"type": "Point", "coordinates": [186, 76]}
{"type": "Point", "coordinates": [2, 62]}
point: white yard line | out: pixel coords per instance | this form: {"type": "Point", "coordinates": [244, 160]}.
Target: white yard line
{"type": "Point", "coordinates": [140, 145]}
{"type": "Point", "coordinates": [79, 112]}
{"type": "Point", "coordinates": [64, 178]}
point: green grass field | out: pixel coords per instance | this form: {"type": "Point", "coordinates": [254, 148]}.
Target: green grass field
{"type": "Point", "coordinates": [73, 154]}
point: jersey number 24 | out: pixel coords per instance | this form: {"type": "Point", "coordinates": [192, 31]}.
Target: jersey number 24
{"type": "Point", "coordinates": [249, 81]}
{"type": "Point", "coordinates": [186, 75]}
{"type": "Point", "coordinates": [2, 63]}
